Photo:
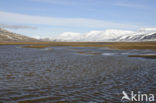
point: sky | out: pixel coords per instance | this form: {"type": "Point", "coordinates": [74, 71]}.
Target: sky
{"type": "Point", "coordinates": [44, 18]}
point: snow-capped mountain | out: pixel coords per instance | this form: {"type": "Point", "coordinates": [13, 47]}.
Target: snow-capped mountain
{"type": "Point", "coordinates": [144, 34]}
{"type": "Point", "coordinates": [147, 34]}
{"type": "Point", "coordinates": [6, 36]}
{"type": "Point", "coordinates": [107, 35]}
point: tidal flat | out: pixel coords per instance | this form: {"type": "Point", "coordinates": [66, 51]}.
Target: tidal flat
{"type": "Point", "coordinates": [73, 74]}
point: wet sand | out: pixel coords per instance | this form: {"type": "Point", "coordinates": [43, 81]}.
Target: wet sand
{"type": "Point", "coordinates": [70, 75]}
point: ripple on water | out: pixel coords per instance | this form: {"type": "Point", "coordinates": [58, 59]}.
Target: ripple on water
{"type": "Point", "coordinates": [61, 76]}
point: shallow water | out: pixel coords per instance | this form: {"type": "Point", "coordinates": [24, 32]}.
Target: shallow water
{"type": "Point", "coordinates": [62, 75]}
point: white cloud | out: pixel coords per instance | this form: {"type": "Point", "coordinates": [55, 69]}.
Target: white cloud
{"type": "Point", "coordinates": [16, 18]}
{"type": "Point", "coordinates": [16, 26]}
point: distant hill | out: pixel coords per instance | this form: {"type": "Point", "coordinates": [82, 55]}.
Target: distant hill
{"type": "Point", "coordinates": [145, 34]}
{"type": "Point", "coordinates": [148, 34]}
{"type": "Point", "coordinates": [6, 36]}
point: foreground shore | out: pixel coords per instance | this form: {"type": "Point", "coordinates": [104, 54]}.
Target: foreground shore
{"type": "Point", "coordinates": [113, 45]}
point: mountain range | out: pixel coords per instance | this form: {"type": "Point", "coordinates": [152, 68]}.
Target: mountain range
{"type": "Point", "coordinates": [146, 34]}
{"type": "Point", "coordinates": [7, 36]}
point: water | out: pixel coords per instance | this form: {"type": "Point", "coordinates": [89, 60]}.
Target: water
{"type": "Point", "coordinates": [62, 75]}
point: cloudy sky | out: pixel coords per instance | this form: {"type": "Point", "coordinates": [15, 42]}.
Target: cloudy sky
{"type": "Point", "coordinates": [44, 18]}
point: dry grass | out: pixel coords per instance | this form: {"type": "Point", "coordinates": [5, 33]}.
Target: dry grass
{"type": "Point", "coordinates": [113, 45]}
{"type": "Point", "coordinates": [134, 45]}
{"type": "Point", "coordinates": [144, 56]}
{"type": "Point", "coordinates": [89, 53]}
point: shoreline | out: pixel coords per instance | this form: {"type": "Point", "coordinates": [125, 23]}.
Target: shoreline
{"type": "Point", "coordinates": [112, 45]}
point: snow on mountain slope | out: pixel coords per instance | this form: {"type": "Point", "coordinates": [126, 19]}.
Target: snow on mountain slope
{"type": "Point", "coordinates": [6, 36]}
{"type": "Point", "coordinates": [106, 35]}
{"type": "Point", "coordinates": [144, 34]}
{"type": "Point", "coordinates": [147, 34]}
